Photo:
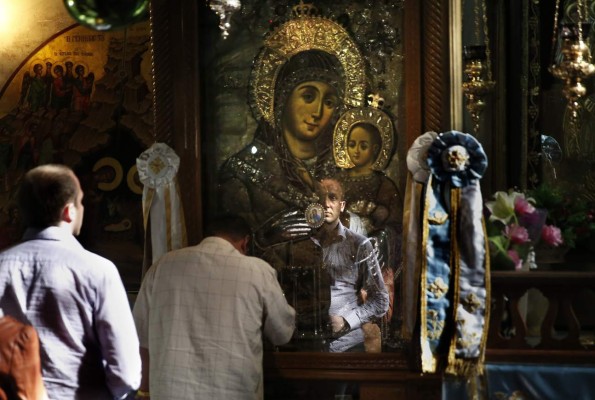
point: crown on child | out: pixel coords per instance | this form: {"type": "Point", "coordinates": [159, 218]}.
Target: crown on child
{"type": "Point", "coordinates": [304, 10]}
{"type": "Point", "coordinates": [375, 100]}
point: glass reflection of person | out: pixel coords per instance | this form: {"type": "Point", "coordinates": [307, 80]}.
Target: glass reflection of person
{"type": "Point", "coordinates": [272, 181]}
{"type": "Point", "coordinates": [278, 169]}
{"type": "Point", "coordinates": [364, 143]}
{"type": "Point", "coordinates": [357, 291]}
{"type": "Point", "coordinates": [307, 73]}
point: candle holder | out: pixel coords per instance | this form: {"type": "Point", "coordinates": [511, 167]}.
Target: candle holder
{"type": "Point", "coordinates": [477, 85]}
{"type": "Point", "coordinates": [573, 68]}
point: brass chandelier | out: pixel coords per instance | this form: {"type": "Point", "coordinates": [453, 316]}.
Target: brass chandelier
{"type": "Point", "coordinates": [572, 68]}
{"type": "Point", "coordinates": [478, 67]}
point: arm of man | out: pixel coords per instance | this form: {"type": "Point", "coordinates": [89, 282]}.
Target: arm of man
{"type": "Point", "coordinates": [377, 299]}
{"type": "Point", "coordinates": [140, 312]}
{"type": "Point", "coordinates": [143, 391]}
{"type": "Point", "coordinates": [117, 335]}
{"type": "Point", "coordinates": [279, 316]}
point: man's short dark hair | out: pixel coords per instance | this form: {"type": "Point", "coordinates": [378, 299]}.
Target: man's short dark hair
{"type": "Point", "coordinates": [229, 225]}
{"type": "Point", "coordinates": [43, 193]}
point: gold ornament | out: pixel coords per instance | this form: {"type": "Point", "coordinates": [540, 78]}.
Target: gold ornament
{"type": "Point", "coordinates": [372, 116]}
{"type": "Point", "coordinates": [573, 69]}
{"type": "Point", "coordinates": [476, 87]}
{"type": "Point", "coordinates": [478, 67]}
{"type": "Point", "coordinates": [303, 33]}
{"type": "Point", "coordinates": [116, 175]}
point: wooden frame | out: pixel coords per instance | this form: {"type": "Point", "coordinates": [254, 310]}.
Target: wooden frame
{"type": "Point", "coordinates": [177, 105]}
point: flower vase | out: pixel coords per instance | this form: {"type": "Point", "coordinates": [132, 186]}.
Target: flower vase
{"type": "Point", "coordinates": [530, 261]}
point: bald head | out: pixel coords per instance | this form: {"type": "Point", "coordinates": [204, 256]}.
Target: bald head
{"type": "Point", "coordinates": [330, 194]}
{"type": "Point", "coordinates": [331, 185]}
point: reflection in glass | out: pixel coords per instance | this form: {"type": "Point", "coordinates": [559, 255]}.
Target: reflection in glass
{"type": "Point", "coordinates": [298, 90]}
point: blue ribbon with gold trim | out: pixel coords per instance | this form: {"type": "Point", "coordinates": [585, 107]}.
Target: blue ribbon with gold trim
{"type": "Point", "coordinates": [449, 262]}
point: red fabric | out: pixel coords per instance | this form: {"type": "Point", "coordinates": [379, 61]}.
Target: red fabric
{"type": "Point", "coordinates": [20, 365]}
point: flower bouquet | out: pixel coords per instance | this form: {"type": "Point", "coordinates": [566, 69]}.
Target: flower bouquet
{"type": "Point", "coordinates": [572, 211]}
{"type": "Point", "coordinates": [515, 227]}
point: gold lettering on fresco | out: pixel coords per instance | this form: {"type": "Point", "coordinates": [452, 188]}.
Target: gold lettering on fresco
{"type": "Point", "coordinates": [85, 38]}
{"type": "Point", "coordinates": [73, 53]}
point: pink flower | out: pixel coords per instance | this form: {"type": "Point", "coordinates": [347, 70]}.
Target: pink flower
{"type": "Point", "coordinates": [516, 233]}
{"type": "Point", "coordinates": [551, 235]}
{"type": "Point", "coordinates": [516, 259]}
{"type": "Point", "coordinates": [522, 206]}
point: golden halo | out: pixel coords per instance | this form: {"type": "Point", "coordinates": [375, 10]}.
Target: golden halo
{"type": "Point", "coordinates": [301, 34]}
{"type": "Point", "coordinates": [131, 180]}
{"type": "Point", "coordinates": [43, 62]}
{"type": "Point", "coordinates": [117, 169]}
{"type": "Point", "coordinates": [372, 116]}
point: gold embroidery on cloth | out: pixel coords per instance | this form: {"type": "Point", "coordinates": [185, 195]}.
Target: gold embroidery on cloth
{"type": "Point", "coordinates": [457, 158]}
{"type": "Point", "coordinates": [436, 326]}
{"type": "Point", "coordinates": [438, 288]}
{"type": "Point", "coordinates": [455, 198]}
{"type": "Point", "coordinates": [468, 339]}
{"type": "Point", "coordinates": [428, 359]}
{"type": "Point", "coordinates": [438, 217]}
{"type": "Point", "coordinates": [471, 302]}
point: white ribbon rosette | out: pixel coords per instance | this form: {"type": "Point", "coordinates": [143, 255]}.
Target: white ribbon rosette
{"type": "Point", "coordinates": [157, 170]}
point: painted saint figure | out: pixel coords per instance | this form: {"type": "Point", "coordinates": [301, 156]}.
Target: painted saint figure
{"type": "Point", "coordinates": [370, 193]}
{"type": "Point", "coordinates": [81, 90]}
{"type": "Point", "coordinates": [59, 98]}
{"type": "Point", "coordinates": [36, 94]}
{"type": "Point", "coordinates": [363, 145]}
{"type": "Point", "coordinates": [298, 90]}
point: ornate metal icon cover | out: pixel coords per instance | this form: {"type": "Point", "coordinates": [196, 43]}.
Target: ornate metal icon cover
{"type": "Point", "coordinates": [305, 32]}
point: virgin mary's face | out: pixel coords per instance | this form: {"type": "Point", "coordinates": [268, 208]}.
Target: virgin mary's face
{"type": "Point", "coordinates": [309, 110]}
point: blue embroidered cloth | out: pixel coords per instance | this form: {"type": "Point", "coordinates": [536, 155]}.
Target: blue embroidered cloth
{"type": "Point", "coordinates": [530, 382]}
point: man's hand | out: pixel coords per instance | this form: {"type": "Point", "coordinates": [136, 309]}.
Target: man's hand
{"type": "Point", "coordinates": [142, 395]}
{"type": "Point", "coordinates": [283, 227]}
{"type": "Point", "coordinates": [339, 325]}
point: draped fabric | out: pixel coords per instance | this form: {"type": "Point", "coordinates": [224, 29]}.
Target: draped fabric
{"type": "Point", "coordinates": [162, 207]}
{"type": "Point", "coordinates": [446, 276]}
{"type": "Point", "coordinates": [529, 381]}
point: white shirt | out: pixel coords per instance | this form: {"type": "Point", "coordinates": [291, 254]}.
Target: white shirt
{"type": "Point", "coordinates": [202, 311]}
